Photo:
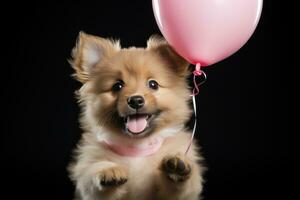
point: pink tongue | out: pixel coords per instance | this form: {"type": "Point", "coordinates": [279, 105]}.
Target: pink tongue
{"type": "Point", "coordinates": [137, 123]}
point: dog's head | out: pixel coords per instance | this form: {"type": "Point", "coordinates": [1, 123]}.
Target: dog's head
{"type": "Point", "coordinates": [134, 92]}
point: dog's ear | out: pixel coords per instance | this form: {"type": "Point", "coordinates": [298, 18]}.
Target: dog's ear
{"type": "Point", "coordinates": [90, 51]}
{"type": "Point", "coordinates": [160, 46]}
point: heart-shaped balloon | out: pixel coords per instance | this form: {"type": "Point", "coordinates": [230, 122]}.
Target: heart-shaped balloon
{"type": "Point", "coordinates": [207, 31]}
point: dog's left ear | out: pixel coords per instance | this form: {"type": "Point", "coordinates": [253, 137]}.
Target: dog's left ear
{"type": "Point", "coordinates": [89, 52]}
{"type": "Point", "coordinates": [160, 46]}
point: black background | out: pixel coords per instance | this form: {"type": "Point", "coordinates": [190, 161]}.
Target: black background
{"type": "Point", "coordinates": [41, 115]}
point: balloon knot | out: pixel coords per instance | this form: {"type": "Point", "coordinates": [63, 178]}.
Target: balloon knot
{"type": "Point", "coordinates": [197, 72]}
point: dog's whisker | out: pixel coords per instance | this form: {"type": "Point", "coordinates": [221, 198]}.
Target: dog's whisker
{"type": "Point", "coordinates": [109, 116]}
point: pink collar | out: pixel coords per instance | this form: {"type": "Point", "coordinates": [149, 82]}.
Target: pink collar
{"type": "Point", "coordinates": [149, 147]}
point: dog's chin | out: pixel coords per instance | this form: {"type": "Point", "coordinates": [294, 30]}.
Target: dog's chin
{"type": "Point", "coordinates": [138, 125]}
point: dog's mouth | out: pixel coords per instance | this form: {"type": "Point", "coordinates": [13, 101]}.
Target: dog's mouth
{"type": "Point", "coordinates": [138, 123]}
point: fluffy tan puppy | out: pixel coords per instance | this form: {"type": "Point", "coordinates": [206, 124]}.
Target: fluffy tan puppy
{"type": "Point", "coordinates": [134, 106]}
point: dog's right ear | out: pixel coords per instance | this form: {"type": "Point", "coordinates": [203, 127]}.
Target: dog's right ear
{"type": "Point", "coordinates": [89, 52]}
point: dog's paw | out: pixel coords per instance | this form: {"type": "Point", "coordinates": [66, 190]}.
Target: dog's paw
{"type": "Point", "coordinates": [113, 176]}
{"type": "Point", "coordinates": [176, 168]}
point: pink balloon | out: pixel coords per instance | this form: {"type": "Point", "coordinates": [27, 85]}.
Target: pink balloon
{"type": "Point", "coordinates": [207, 31]}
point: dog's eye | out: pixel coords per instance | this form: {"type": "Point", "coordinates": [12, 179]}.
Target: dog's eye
{"type": "Point", "coordinates": [153, 84]}
{"type": "Point", "coordinates": [118, 86]}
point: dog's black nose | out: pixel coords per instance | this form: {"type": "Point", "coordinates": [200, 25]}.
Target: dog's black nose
{"type": "Point", "coordinates": [136, 102]}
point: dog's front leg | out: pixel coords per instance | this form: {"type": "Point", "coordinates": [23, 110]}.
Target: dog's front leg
{"type": "Point", "coordinates": [180, 178]}
{"type": "Point", "coordinates": [100, 180]}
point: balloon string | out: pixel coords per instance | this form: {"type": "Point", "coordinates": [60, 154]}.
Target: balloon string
{"type": "Point", "coordinates": [196, 72]}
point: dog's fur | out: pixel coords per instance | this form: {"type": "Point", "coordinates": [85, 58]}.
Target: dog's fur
{"type": "Point", "coordinates": [100, 173]}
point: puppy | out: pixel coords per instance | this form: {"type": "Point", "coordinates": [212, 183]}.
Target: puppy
{"type": "Point", "coordinates": [134, 106]}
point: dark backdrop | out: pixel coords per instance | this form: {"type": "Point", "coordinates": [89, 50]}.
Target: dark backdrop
{"type": "Point", "coordinates": [41, 115]}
